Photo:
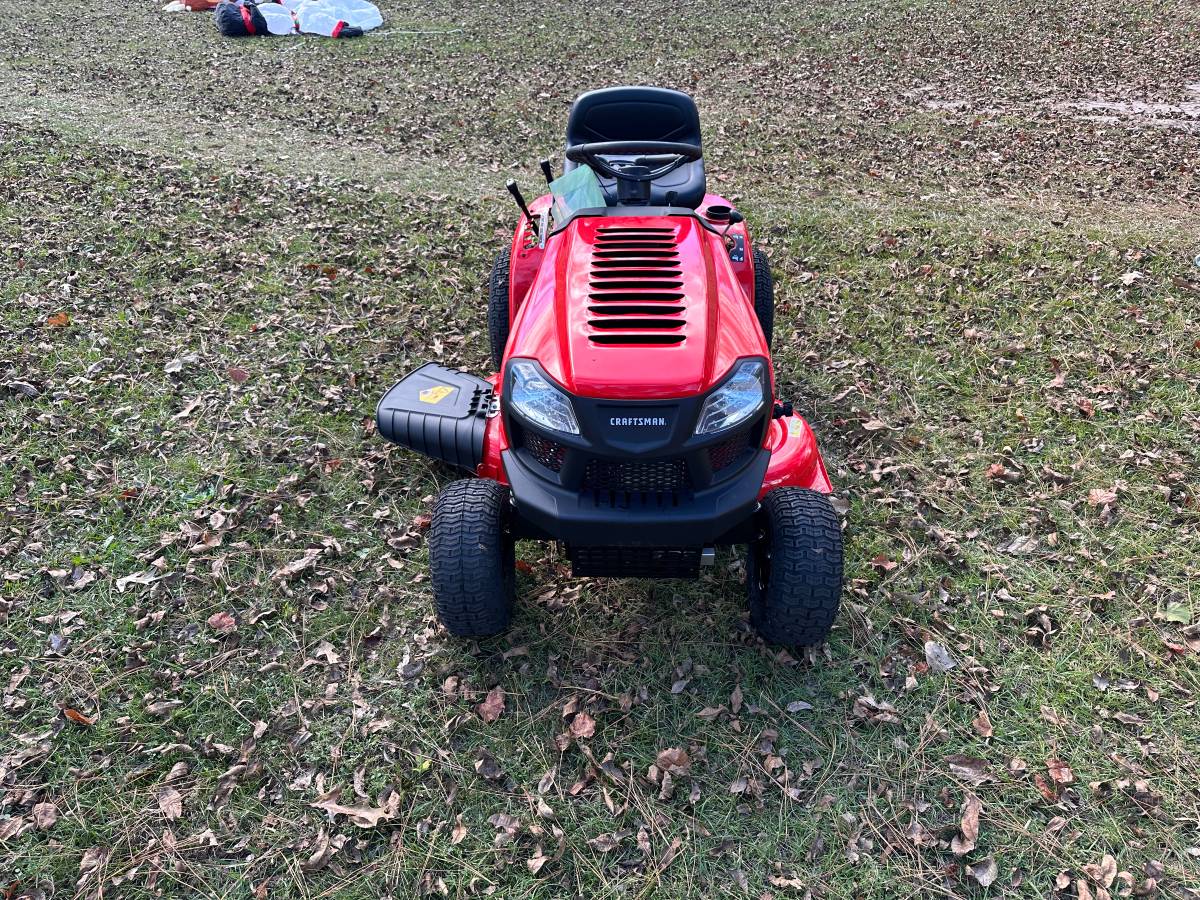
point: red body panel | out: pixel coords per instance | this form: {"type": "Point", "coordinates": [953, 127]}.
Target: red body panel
{"type": "Point", "coordinates": [795, 459]}
{"type": "Point", "coordinates": [550, 293]}
{"type": "Point", "coordinates": [717, 322]}
{"type": "Point", "coordinates": [525, 258]}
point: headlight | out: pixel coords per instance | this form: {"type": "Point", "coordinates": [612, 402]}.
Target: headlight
{"type": "Point", "coordinates": [532, 394]}
{"type": "Point", "coordinates": [735, 401]}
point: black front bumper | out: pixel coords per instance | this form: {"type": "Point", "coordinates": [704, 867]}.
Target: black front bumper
{"type": "Point", "coordinates": [706, 516]}
{"type": "Point", "coordinates": [636, 475]}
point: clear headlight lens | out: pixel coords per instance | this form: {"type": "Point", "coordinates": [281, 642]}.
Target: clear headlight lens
{"type": "Point", "coordinates": [735, 401]}
{"type": "Point", "coordinates": [539, 401]}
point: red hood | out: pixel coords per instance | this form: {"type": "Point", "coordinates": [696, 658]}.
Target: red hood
{"type": "Point", "coordinates": [636, 307]}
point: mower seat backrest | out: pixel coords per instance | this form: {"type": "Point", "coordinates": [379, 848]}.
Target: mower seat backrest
{"type": "Point", "coordinates": [642, 114]}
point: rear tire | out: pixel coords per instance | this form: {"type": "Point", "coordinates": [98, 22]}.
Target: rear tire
{"type": "Point", "coordinates": [764, 295]}
{"type": "Point", "coordinates": [794, 569]}
{"type": "Point", "coordinates": [498, 307]}
{"type": "Point", "coordinates": [472, 558]}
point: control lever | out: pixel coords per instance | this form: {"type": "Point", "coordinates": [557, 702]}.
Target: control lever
{"type": "Point", "coordinates": [516, 195]}
{"type": "Point", "coordinates": [734, 218]}
{"type": "Point", "coordinates": [547, 171]}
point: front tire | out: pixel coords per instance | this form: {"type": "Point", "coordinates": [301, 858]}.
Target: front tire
{"type": "Point", "coordinates": [794, 569]}
{"type": "Point", "coordinates": [472, 558]}
{"type": "Point", "coordinates": [764, 295]}
{"type": "Point", "coordinates": [498, 307]}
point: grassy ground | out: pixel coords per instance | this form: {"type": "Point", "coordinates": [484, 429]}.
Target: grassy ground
{"type": "Point", "coordinates": [214, 611]}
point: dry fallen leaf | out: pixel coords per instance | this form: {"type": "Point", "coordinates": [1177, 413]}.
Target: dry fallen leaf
{"type": "Point", "coordinates": [982, 724]}
{"type": "Point", "coordinates": [77, 717]}
{"type": "Point", "coordinates": [1054, 717]}
{"type": "Point", "coordinates": [58, 320]}
{"type": "Point", "coordinates": [884, 564]}
{"type": "Point", "coordinates": [45, 814]}
{"type": "Point", "coordinates": [964, 842]}
{"type": "Point", "coordinates": [323, 848]}
{"type": "Point", "coordinates": [984, 871]}
{"type": "Point", "coordinates": [583, 726]}
{"type": "Point", "coordinates": [1060, 771]}
{"type": "Point", "coordinates": [188, 409]}
{"type": "Point", "coordinates": [231, 778]}
{"type": "Point", "coordinates": [794, 883]}
{"type": "Point", "coordinates": [669, 854]}
{"type": "Point", "coordinates": [487, 767]}
{"type": "Point", "coordinates": [537, 861]}
{"type": "Point", "coordinates": [1047, 791]}
{"type": "Point", "coordinates": [938, 657]}
{"type": "Point", "coordinates": [93, 862]}
{"type": "Point", "coordinates": [170, 803]}
{"type": "Point", "coordinates": [872, 710]}
{"type": "Point", "coordinates": [14, 827]}
{"type": "Point", "coordinates": [607, 842]}
{"type": "Point", "coordinates": [674, 760]}
{"type": "Point", "coordinates": [492, 706]}
{"type": "Point", "coordinates": [1104, 872]}
{"type": "Point", "coordinates": [222, 623]}
{"type": "Point", "coordinates": [296, 566]}
{"type": "Point", "coordinates": [969, 768]}
{"type": "Point", "coordinates": [362, 816]}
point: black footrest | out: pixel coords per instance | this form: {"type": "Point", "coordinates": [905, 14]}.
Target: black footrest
{"type": "Point", "coordinates": [439, 412]}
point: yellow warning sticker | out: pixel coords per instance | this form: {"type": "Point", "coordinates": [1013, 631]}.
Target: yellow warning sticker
{"type": "Point", "coordinates": [795, 427]}
{"type": "Point", "coordinates": [435, 394]}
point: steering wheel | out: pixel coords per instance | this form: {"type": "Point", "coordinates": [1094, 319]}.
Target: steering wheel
{"type": "Point", "coordinates": [593, 155]}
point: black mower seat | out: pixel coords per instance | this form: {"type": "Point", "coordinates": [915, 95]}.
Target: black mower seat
{"type": "Point", "coordinates": [642, 114]}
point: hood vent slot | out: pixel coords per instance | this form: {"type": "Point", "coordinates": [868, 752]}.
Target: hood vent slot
{"type": "Point", "coordinates": [623, 296]}
{"type": "Point", "coordinates": [636, 266]}
{"type": "Point", "coordinates": [637, 338]}
{"type": "Point", "coordinates": [626, 271]}
{"type": "Point", "coordinates": [606, 322]}
{"type": "Point", "coordinates": [631, 309]}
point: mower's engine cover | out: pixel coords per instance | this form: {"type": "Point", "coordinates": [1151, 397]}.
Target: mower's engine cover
{"type": "Point", "coordinates": [439, 412]}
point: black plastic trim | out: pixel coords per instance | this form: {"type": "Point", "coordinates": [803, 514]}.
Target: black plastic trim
{"type": "Point", "coordinates": [593, 212]}
{"type": "Point", "coordinates": [634, 562]}
{"type": "Point", "coordinates": [449, 428]}
{"type": "Point", "coordinates": [710, 516]}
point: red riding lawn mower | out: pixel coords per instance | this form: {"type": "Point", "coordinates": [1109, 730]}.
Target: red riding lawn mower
{"type": "Point", "coordinates": [632, 417]}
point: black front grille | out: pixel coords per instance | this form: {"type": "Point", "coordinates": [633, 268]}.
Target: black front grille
{"type": "Point", "coordinates": [547, 452]}
{"type": "Point", "coordinates": [725, 454]}
{"type": "Point", "coordinates": [656, 476]}
{"type": "Point", "coordinates": [635, 562]}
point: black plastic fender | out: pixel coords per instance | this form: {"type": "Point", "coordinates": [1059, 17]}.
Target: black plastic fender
{"type": "Point", "coordinates": [439, 412]}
